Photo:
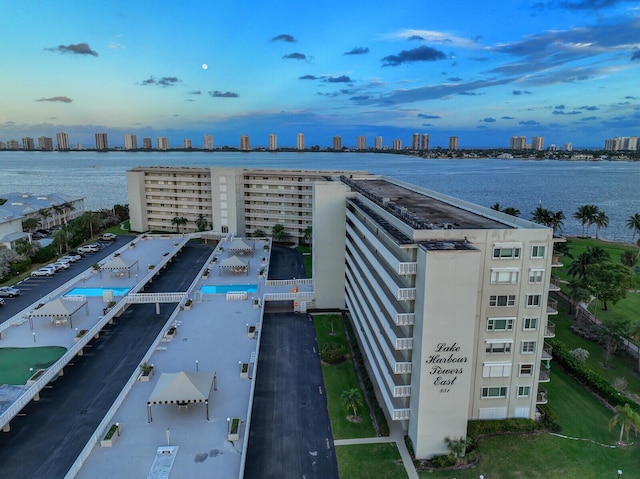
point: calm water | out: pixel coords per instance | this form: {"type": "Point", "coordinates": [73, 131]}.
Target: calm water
{"type": "Point", "coordinates": [100, 178]}
{"type": "Point", "coordinates": [228, 288]}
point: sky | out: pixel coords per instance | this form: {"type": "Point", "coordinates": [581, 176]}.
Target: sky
{"type": "Point", "coordinates": [567, 70]}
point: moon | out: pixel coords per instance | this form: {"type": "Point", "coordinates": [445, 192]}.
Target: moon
{"type": "Point", "coordinates": [205, 66]}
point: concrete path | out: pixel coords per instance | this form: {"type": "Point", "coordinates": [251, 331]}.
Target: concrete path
{"type": "Point", "coordinates": [396, 435]}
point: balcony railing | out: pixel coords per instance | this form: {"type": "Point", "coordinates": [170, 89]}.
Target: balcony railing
{"type": "Point", "coordinates": [547, 352]}
{"type": "Point", "coordinates": [554, 283]}
{"type": "Point", "coordinates": [541, 397]}
{"type": "Point", "coordinates": [552, 307]}
{"type": "Point", "coordinates": [544, 376]}
{"type": "Point", "coordinates": [556, 259]}
{"type": "Point", "coordinates": [550, 330]}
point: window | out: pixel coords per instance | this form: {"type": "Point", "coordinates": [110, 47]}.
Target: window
{"type": "Point", "coordinates": [526, 369]}
{"type": "Point", "coordinates": [498, 347]}
{"type": "Point", "coordinates": [500, 324]}
{"type": "Point", "coordinates": [534, 300]}
{"type": "Point", "coordinates": [528, 347]}
{"type": "Point", "coordinates": [538, 251]}
{"type": "Point", "coordinates": [504, 276]}
{"type": "Point", "coordinates": [494, 392]}
{"type": "Point", "coordinates": [529, 324]}
{"type": "Point", "coordinates": [524, 391]}
{"type": "Point", "coordinates": [536, 276]}
{"type": "Point", "coordinates": [505, 300]}
{"type": "Point", "coordinates": [496, 370]}
{"type": "Point", "coordinates": [506, 253]}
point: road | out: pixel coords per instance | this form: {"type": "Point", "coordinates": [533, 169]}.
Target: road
{"type": "Point", "coordinates": [46, 439]}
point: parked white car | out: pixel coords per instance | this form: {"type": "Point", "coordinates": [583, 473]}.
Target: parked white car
{"type": "Point", "coordinates": [108, 237]}
{"type": "Point", "coordinates": [44, 272]}
{"type": "Point", "coordinates": [61, 265]}
{"type": "Point", "coordinates": [72, 258]}
{"type": "Point", "coordinates": [9, 292]}
{"type": "Point", "coordinates": [88, 249]}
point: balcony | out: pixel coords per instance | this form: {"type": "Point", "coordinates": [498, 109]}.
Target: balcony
{"type": "Point", "coordinates": [544, 376]}
{"type": "Point", "coordinates": [552, 307]}
{"type": "Point", "coordinates": [556, 259]}
{"type": "Point", "coordinates": [550, 330]}
{"type": "Point", "coordinates": [554, 283]}
{"type": "Point", "coordinates": [547, 352]}
{"type": "Point", "coordinates": [541, 397]}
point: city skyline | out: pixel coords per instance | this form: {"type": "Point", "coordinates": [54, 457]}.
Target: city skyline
{"type": "Point", "coordinates": [562, 70]}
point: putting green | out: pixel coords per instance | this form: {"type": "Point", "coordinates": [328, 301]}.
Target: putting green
{"type": "Point", "coordinates": [15, 363]}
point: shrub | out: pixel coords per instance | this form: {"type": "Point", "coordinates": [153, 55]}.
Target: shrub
{"type": "Point", "coordinates": [332, 353]}
{"type": "Point", "coordinates": [481, 428]}
{"type": "Point", "coordinates": [580, 354]}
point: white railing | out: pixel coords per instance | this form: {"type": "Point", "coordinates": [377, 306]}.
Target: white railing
{"type": "Point", "coordinates": [400, 414]}
{"type": "Point", "coordinates": [236, 296]}
{"type": "Point", "coordinates": [289, 296]}
{"type": "Point", "coordinates": [405, 319]}
{"type": "Point", "coordinates": [401, 391]}
{"type": "Point", "coordinates": [288, 282]}
{"type": "Point", "coordinates": [404, 343]}
{"type": "Point", "coordinates": [407, 268]}
{"type": "Point", "coordinates": [404, 294]}
{"type": "Point", "coordinates": [139, 298]}
{"type": "Point", "coordinates": [403, 368]}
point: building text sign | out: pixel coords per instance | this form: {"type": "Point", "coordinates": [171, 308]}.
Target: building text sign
{"type": "Point", "coordinates": [446, 364]}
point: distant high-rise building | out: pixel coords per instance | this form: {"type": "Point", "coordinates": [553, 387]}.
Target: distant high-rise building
{"type": "Point", "coordinates": [13, 145]}
{"type": "Point", "coordinates": [300, 141]}
{"type": "Point", "coordinates": [78, 146]}
{"type": "Point", "coordinates": [377, 143]}
{"type": "Point", "coordinates": [425, 142]}
{"type": "Point", "coordinates": [186, 144]}
{"type": "Point", "coordinates": [273, 142]}
{"type": "Point", "coordinates": [361, 143]}
{"type": "Point", "coordinates": [453, 142]}
{"type": "Point", "coordinates": [537, 143]}
{"type": "Point", "coordinates": [3, 145]}
{"type": "Point", "coordinates": [62, 139]}
{"type": "Point", "coordinates": [415, 141]}
{"type": "Point", "coordinates": [147, 143]}
{"type": "Point", "coordinates": [162, 143]}
{"type": "Point", "coordinates": [568, 147]}
{"type": "Point", "coordinates": [28, 144]}
{"type": "Point", "coordinates": [45, 143]}
{"type": "Point", "coordinates": [397, 145]}
{"type": "Point", "coordinates": [337, 142]}
{"type": "Point", "coordinates": [207, 142]}
{"type": "Point", "coordinates": [102, 142]}
{"type": "Point", "coordinates": [517, 142]}
{"type": "Point", "coordinates": [130, 142]}
{"type": "Point", "coordinates": [244, 142]}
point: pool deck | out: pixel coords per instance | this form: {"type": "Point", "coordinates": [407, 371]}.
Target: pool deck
{"type": "Point", "coordinates": [212, 336]}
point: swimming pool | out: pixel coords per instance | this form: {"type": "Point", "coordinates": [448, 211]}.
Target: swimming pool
{"type": "Point", "coordinates": [96, 291]}
{"type": "Point", "coordinates": [225, 288]}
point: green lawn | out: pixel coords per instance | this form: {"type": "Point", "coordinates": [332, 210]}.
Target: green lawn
{"type": "Point", "coordinates": [15, 363]}
{"type": "Point", "coordinates": [337, 378]}
{"type": "Point", "coordinates": [306, 257]}
{"type": "Point", "coordinates": [367, 461]}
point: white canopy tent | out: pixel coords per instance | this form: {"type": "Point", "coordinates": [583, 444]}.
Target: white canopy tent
{"type": "Point", "coordinates": [239, 246]}
{"type": "Point", "coordinates": [234, 264]}
{"type": "Point", "coordinates": [182, 388]}
{"type": "Point", "coordinates": [119, 267]}
{"type": "Point", "coordinates": [60, 310]}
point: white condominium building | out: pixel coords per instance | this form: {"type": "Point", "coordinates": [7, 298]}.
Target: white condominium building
{"type": "Point", "coordinates": [273, 142]}
{"type": "Point", "coordinates": [207, 142]}
{"type": "Point", "coordinates": [62, 139]}
{"type": "Point", "coordinates": [300, 141]}
{"type": "Point", "coordinates": [130, 142]}
{"type": "Point", "coordinates": [448, 299]}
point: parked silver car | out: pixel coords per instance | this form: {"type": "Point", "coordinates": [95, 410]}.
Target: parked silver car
{"type": "Point", "coordinates": [9, 292]}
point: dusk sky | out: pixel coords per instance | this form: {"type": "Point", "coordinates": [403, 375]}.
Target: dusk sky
{"type": "Point", "coordinates": [568, 70]}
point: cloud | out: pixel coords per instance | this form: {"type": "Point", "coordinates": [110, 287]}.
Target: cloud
{"type": "Point", "coordinates": [115, 46]}
{"type": "Point", "coordinates": [428, 117]}
{"type": "Point", "coordinates": [162, 82]}
{"type": "Point", "coordinates": [636, 55]}
{"type": "Point", "coordinates": [507, 118]}
{"type": "Point", "coordinates": [586, 4]}
{"type": "Point", "coordinates": [343, 91]}
{"type": "Point", "coordinates": [488, 120]}
{"type": "Point", "coordinates": [420, 54]}
{"type": "Point", "coordinates": [295, 56]}
{"type": "Point", "coordinates": [559, 107]}
{"type": "Point", "coordinates": [562, 112]}
{"type": "Point", "coordinates": [284, 38]}
{"type": "Point", "coordinates": [529, 123]}
{"type": "Point", "coordinates": [520, 92]}
{"type": "Point", "coordinates": [357, 51]}
{"type": "Point", "coordinates": [197, 92]}
{"type": "Point", "coordinates": [415, 37]}
{"type": "Point", "coordinates": [454, 79]}
{"type": "Point", "coordinates": [360, 97]}
{"type": "Point", "coordinates": [62, 99]}
{"type": "Point", "coordinates": [340, 79]}
{"type": "Point", "coordinates": [77, 49]}
{"type": "Point", "coordinates": [588, 108]}
{"type": "Point", "coordinates": [308, 77]}
{"type": "Point", "coordinates": [589, 118]}
{"type": "Point", "coordinates": [469, 93]}
{"type": "Point", "coordinates": [226, 94]}
{"type": "Point", "coordinates": [433, 36]}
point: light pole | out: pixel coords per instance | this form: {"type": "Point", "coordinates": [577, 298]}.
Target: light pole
{"type": "Point", "coordinates": [34, 336]}
{"type": "Point", "coordinates": [118, 428]}
{"type": "Point", "coordinates": [197, 365]}
{"type": "Point", "coordinates": [168, 433]}
{"type": "Point", "coordinates": [619, 473]}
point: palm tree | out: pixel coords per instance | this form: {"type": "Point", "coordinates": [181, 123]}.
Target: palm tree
{"type": "Point", "coordinates": [307, 235]}
{"type": "Point", "coordinates": [578, 267]}
{"type": "Point", "coordinates": [633, 223]}
{"type": "Point", "coordinates": [557, 220]}
{"type": "Point", "coordinates": [496, 207]}
{"type": "Point", "coordinates": [87, 221]}
{"type": "Point", "coordinates": [201, 222]}
{"type": "Point", "coordinates": [542, 216]}
{"type": "Point", "coordinates": [597, 254]}
{"type": "Point", "coordinates": [30, 224]}
{"type": "Point", "coordinates": [179, 221]}
{"type": "Point", "coordinates": [510, 210]}
{"type": "Point", "coordinates": [351, 398]}
{"type": "Point", "coordinates": [67, 208]}
{"type": "Point", "coordinates": [601, 220]}
{"type": "Point", "coordinates": [586, 214]}
{"type": "Point", "coordinates": [44, 214]}
{"type": "Point", "coordinates": [628, 258]}
{"type": "Point", "coordinates": [278, 233]}
{"type": "Point", "coordinates": [61, 239]}
{"type": "Point", "coordinates": [457, 447]}
{"type": "Point", "coordinates": [627, 418]}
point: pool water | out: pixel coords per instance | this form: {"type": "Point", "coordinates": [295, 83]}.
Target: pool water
{"type": "Point", "coordinates": [96, 291]}
{"type": "Point", "coordinates": [225, 288]}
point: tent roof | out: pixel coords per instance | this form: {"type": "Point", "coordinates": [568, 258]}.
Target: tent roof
{"type": "Point", "coordinates": [118, 263]}
{"type": "Point", "coordinates": [233, 262]}
{"type": "Point", "coordinates": [58, 308]}
{"type": "Point", "coordinates": [182, 387]}
{"type": "Point", "coordinates": [238, 244]}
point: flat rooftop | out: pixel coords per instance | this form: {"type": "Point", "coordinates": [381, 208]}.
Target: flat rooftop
{"type": "Point", "coordinates": [420, 210]}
